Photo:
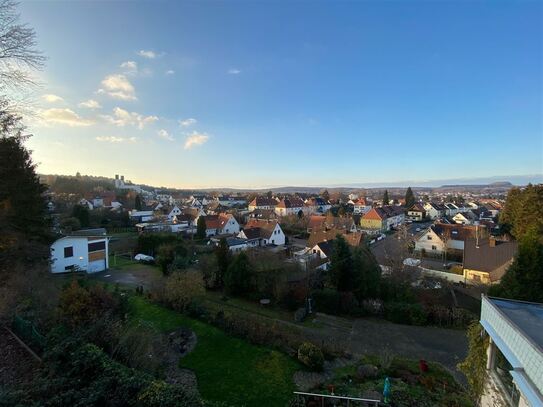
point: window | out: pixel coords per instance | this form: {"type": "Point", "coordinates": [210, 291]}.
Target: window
{"type": "Point", "coordinates": [429, 237]}
{"type": "Point", "coordinates": [68, 252]}
{"type": "Point", "coordinates": [434, 247]}
{"type": "Point", "coordinates": [69, 267]}
{"type": "Point", "coordinates": [96, 246]}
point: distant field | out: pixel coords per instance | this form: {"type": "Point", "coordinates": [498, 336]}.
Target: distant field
{"type": "Point", "coordinates": [228, 369]}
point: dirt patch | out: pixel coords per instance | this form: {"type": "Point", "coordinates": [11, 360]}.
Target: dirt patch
{"type": "Point", "coordinates": [17, 366]}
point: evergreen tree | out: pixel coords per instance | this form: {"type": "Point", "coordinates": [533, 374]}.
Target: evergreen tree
{"type": "Point", "coordinates": [341, 266]}
{"type": "Point", "coordinates": [523, 210]}
{"type": "Point", "coordinates": [201, 228]}
{"type": "Point", "coordinates": [138, 204]}
{"type": "Point", "coordinates": [222, 253]}
{"type": "Point", "coordinates": [237, 279]}
{"type": "Point", "coordinates": [409, 198]}
{"type": "Point", "coordinates": [81, 213]}
{"type": "Point", "coordinates": [367, 274]}
{"type": "Point", "coordinates": [22, 205]}
{"type": "Point", "coordinates": [386, 199]}
{"type": "Point", "coordinates": [325, 195]}
{"type": "Point", "coordinates": [270, 194]}
{"type": "Point", "coordinates": [524, 278]}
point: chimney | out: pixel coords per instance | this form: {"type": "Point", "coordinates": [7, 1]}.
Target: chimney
{"type": "Point", "coordinates": [492, 241]}
{"type": "Point", "coordinates": [116, 176]}
{"type": "Point", "coordinates": [122, 177]}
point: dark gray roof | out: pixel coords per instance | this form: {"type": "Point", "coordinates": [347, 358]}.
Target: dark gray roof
{"type": "Point", "coordinates": [90, 232]}
{"type": "Point", "coordinates": [527, 316]}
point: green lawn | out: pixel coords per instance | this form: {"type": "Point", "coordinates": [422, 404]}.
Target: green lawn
{"type": "Point", "coordinates": [228, 369]}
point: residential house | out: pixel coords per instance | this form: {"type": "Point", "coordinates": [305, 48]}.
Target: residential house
{"type": "Point", "coordinates": [229, 201]}
{"type": "Point", "coordinates": [263, 214]}
{"type": "Point", "coordinates": [416, 213]}
{"type": "Point", "coordinates": [260, 232]}
{"type": "Point", "coordinates": [354, 239]}
{"type": "Point", "coordinates": [514, 357]}
{"type": "Point", "coordinates": [487, 260]}
{"type": "Point", "coordinates": [317, 205]}
{"type": "Point", "coordinates": [262, 202]}
{"type": "Point", "coordinates": [451, 209]}
{"type": "Point", "coordinates": [84, 250]}
{"type": "Point", "coordinates": [175, 211]}
{"type": "Point", "coordinates": [435, 210]}
{"type": "Point", "coordinates": [290, 206]}
{"type": "Point", "coordinates": [321, 222]}
{"type": "Point", "coordinates": [222, 224]}
{"type": "Point", "coordinates": [361, 206]}
{"type": "Point", "coordinates": [465, 218]}
{"type": "Point", "coordinates": [383, 218]}
{"type": "Point", "coordinates": [235, 244]}
{"type": "Point", "coordinates": [86, 203]}
{"type": "Point", "coordinates": [141, 216]}
{"type": "Point", "coordinates": [450, 238]}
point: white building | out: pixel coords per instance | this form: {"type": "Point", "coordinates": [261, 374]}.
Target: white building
{"type": "Point", "coordinates": [120, 184]}
{"type": "Point", "coordinates": [84, 251]}
{"type": "Point", "coordinates": [174, 212]}
{"type": "Point", "coordinates": [290, 206]}
{"type": "Point", "coordinates": [361, 206]}
{"type": "Point", "coordinates": [263, 232]}
{"type": "Point", "coordinates": [514, 354]}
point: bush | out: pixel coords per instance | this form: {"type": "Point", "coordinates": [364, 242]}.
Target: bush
{"type": "Point", "coordinates": [405, 313]}
{"type": "Point", "coordinates": [182, 287]}
{"type": "Point", "coordinates": [311, 356]}
{"type": "Point", "coordinates": [327, 301]}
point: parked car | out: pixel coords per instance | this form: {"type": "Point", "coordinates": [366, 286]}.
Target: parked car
{"type": "Point", "coordinates": [144, 258]}
{"type": "Point", "coordinates": [411, 262]}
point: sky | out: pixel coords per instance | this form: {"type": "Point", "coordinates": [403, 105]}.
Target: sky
{"type": "Point", "coordinates": [275, 93]}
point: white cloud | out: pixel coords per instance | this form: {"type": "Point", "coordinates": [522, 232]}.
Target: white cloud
{"type": "Point", "coordinates": [90, 104]}
{"type": "Point", "coordinates": [234, 71]}
{"type": "Point", "coordinates": [50, 98]}
{"type": "Point", "coordinates": [118, 87]}
{"type": "Point", "coordinates": [64, 116]}
{"type": "Point", "coordinates": [113, 139]}
{"type": "Point", "coordinates": [195, 139]}
{"type": "Point", "coordinates": [130, 67]}
{"type": "Point", "coordinates": [170, 72]}
{"type": "Point", "coordinates": [165, 135]}
{"type": "Point", "coordinates": [123, 118]}
{"type": "Point", "coordinates": [147, 54]}
{"type": "Point", "coordinates": [187, 122]}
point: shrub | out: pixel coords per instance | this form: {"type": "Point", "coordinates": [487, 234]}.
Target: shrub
{"type": "Point", "coordinates": [327, 301]}
{"type": "Point", "coordinates": [311, 356]}
{"type": "Point", "coordinates": [405, 313]}
{"type": "Point", "coordinates": [182, 287]}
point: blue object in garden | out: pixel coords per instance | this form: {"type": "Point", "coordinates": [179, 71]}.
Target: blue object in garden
{"type": "Point", "coordinates": [386, 390]}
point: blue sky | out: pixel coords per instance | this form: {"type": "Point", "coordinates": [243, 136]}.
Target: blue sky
{"type": "Point", "coordinates": [254, 94]}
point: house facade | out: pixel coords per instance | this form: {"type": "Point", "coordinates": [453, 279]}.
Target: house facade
{"type": "Point", "coordinates": [435, 210]}
{"type": "Point", "coordinates": [416, 213]}
{"type": "Point", "coordinates": [262, 202]}
{"type": "Point", "coordinates": [80, 253]}
{"type": "Point", "coordinates": [290, 206]}
{"type": "Point", "coordinates": [260, 232]}
{"type": "Point", "coordinates": [383, 218]}
{"type": "Point", "coordinates": [222, 224]}
{"type": "Point", "coordinates": [440, 238]}
{"type": "Point", "coordinates": [361, 206]}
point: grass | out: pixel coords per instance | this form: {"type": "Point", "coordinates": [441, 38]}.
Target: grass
{"type": "Point", "coordinates": [120, 262]}
{"type": "Point", "coordinates": [228, 369]}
